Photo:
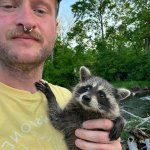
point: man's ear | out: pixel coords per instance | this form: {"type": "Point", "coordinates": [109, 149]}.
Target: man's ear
{"type": "Point", "coordinates": [85, 73]}
{"type": "Point", "coordinates": [57, 28]}
{"type": "Point", "coordinates": [57, 24]}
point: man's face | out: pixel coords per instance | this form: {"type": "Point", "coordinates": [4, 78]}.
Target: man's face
{"type": "Point", "coordinates": [18, 47]}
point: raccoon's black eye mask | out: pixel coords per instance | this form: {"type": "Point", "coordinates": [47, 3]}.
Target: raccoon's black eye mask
{"type": "Point", "coordinates": [85, 89]}
{"type": "Point", "coordinates": [103, 100]}
{"type": "Point", "coordinates": [101, 94]}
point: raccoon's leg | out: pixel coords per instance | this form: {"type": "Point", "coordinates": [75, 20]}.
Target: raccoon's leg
{"type": "Point", "coordinates": [73, 148]}
{"type": "Point", "coordinates": [44, 87]}
{"type": "Point", "coordinates": [71, 145]}
{"type": "Point", "coordinates": [117, 129]}
{"type": "Point", "coordinates": [54, 111]}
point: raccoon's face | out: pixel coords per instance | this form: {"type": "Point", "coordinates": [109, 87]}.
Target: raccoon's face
{"type": "Point", "coordinates": [96, 94]}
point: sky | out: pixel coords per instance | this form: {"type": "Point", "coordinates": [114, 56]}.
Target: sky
{"type": "Point", "coordinates": [65, 9]}
{"type": "Point", "coordinates": [65, 15]}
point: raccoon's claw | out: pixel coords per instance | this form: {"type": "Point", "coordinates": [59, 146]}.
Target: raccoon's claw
{"type": "Point", "coordinates": [44, 87]}
{"type": "Point", "coordinates": [117, 129]}
{"type": "Point", "coordinates": [41, 85]}
{"type": "Point", "coordinates": [114, 134]}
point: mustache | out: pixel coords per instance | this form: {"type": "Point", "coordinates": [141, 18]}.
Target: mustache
{"type": "Point", "coordinates": [18, 32]}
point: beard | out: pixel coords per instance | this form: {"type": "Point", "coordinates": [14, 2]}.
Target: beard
{"type": "Point", "coordinates": [12, 62]}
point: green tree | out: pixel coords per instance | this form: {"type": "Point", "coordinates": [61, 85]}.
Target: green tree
{"type": "Point", "coordinates": [60, 69]}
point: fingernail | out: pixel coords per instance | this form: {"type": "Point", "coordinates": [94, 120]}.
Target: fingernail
{"type": "Point", "coordinates": [77, 132]}
{"type": "Point", "coordinates": [85, 125]}
{"type": "Point", "coordinates": [77, 141]}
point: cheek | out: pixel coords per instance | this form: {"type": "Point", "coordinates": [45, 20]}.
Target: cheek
{"type": "Point", "coordinates": [7, 23]}
{"type": "Point", "coordinates": [4, 27]}
{"type": "Point", "coordinates": [50, 32]}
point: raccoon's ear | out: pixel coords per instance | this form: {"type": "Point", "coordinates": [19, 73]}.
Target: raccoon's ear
{"type": "Point", "coordinates": [85, 73]}
{"type": "Point", "coordinates": [122, 93]}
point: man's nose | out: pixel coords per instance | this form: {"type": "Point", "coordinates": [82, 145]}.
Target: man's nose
{"type": "Point", "coordinates": [26, 17]}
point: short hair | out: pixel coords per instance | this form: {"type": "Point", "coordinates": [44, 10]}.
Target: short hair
{"type": "Point", "coordinates": [57, 9]}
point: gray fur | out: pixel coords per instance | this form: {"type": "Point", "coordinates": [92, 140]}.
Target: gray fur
{"type": "Point", "coordinates": [92, 98]}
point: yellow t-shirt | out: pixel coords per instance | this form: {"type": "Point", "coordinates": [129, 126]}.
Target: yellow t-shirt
{"type": "Point", "coordinates": [24, 124]}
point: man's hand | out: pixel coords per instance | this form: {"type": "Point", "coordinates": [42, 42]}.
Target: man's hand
{"type": "Point", "coordinates": [90, 139]}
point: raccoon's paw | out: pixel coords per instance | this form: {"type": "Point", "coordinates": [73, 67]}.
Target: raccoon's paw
{"type": "Point", "coordinates": [115, 132]}
{"type": "Point", "coordinates": [44, 87]}
{"type": "Point", "coordinates": [41, 85]}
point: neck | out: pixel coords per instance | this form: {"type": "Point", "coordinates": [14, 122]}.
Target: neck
{"type": "Point", "coordinates": [21, 79]}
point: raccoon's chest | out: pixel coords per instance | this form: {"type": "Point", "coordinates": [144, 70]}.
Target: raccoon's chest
{"type": "Point", "coordinates": [77, 115]}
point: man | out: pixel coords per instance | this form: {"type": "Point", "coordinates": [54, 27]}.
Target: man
{"type": "Point", "coordinates": [28, 33]}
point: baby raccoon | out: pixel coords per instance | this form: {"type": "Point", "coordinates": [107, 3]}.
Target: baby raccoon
{"type": "Point", "coordinates": [92, 98]}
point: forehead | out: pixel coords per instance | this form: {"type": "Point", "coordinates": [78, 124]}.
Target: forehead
{"type": "Point", "coordinates": [98, 82]}
{"type": "Point", "coordinates": [49, 2]}
{"type": "Point", "coordinates": [94, 81]}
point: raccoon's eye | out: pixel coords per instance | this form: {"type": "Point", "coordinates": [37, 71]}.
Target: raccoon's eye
{"type": "Point", "coordinates": [101, 94]}
{"type": "Point", "coordinates": [88, 87]}
{"type": "Point", "coordinates": [85, 89]}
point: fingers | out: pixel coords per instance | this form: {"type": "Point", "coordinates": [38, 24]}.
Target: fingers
{"type": "Point", "coordinates": [88, 134]}
{"type": "Point", "coordinates": [104, 124]}
{"type": "Point", "coordinates": [84, 145]}
{"type": "Point", "coordinates": [93, 136]}
{"type": "Point", "coordinates": [88, 138]}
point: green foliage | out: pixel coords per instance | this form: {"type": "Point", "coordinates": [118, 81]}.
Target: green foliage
{"type": "Point", "coordinates": [60, 69]}
{"type": "Point", "coordinates": [112, 38]}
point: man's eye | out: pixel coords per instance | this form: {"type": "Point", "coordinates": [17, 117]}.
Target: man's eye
{"type": "Point", "coordinates": [40, 11]}
{"type": "Point", "coordinates": [8, 7]}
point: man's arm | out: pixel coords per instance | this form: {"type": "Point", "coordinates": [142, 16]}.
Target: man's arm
{"type": "Point", "coordinates": [98, 140]}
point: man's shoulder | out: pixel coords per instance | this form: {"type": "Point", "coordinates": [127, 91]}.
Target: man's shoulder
{"type": "Point", "coordinates": [62, 94]}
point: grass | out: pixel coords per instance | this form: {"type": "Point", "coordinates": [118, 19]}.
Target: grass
{"type": "Point", "coordinates": [131, 84]}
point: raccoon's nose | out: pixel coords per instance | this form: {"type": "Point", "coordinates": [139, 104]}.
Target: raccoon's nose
{"type": "Point", "coordinates": [86, 98]}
